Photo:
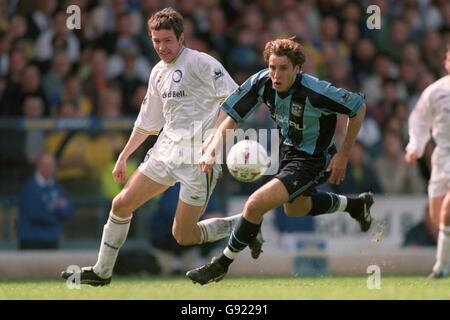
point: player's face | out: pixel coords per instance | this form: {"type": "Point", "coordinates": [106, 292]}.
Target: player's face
{"type": "Point", "coordinates": [282, 72]}
{"type": "Point", "coordinates": [166, 44]}
{"type": "Point", "coordinates": [447, 61]}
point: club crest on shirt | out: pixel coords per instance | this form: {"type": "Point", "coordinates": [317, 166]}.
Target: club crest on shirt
{"type": "Point", "coordinates": [177, 75]}
{"type": "Point", "coordinates": [345, 97]}
{"type": "Point", "coordinates": [218, 73]}
{"type": "Point", "coordinates": [296, 109]}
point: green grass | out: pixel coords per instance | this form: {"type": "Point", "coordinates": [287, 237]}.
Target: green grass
{"type": "Point", "coordinates": [272, 288]}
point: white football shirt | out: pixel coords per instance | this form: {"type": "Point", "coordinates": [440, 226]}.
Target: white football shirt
{"type": "Point", "coordinates": [431, 115]}
{"type": "Point", "coordinates": [184, 96]}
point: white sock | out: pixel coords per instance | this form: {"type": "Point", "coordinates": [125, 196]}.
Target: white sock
{"type": "Point", "coordinates": [114, 235]}
{"type": "Point", "coordinates": [443, 250]}
{"type": "Point", "coordinates": [342, 203]}
{"type": "Point", "coordinates": [217, 228]}
{"type": "Point", "coordinates": [230, 254]}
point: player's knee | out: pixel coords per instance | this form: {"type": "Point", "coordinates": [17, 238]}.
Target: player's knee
{"type": "Point", "coordinates": [297, 211]}
{"type": "Point", "coordinates": [121, 203]}
{"type": "Point", "coordinates": [183, 239]}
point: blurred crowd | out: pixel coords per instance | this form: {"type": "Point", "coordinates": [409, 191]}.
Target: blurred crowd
{"type": "Point", "coordinates": [101, 70]}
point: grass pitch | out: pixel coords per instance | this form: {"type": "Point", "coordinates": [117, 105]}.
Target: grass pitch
{"type": "Point", "coordinates": [251, 288]}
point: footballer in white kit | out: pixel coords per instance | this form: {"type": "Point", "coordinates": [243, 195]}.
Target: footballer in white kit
{"type": "Point", "coordinates": [431, 117]}
{"type": "Point", "coordinates": [184, 98]}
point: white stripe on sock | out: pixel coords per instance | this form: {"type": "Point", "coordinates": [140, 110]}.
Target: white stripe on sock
{"type": "Point", "coordinates": [230, 254]}
{"type": "Point", "coordinates": [342, 203]}
{"type": "Point", "coordinates": [112, 215]}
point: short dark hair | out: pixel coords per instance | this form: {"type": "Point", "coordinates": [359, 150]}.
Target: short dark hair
{"type": "Point", "coordinates": [285, 47]}
{"type": "Point", "coordinates": [167, 19]}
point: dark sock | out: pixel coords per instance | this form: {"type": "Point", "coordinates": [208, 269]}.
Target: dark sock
{"type": "Point", "coordinates": [224, 261]}
{"type": "Point", "coordinates": [324, 202]}
{"type": "Point", "coordinates": [242, 234]}
{"type": "Point", "coordinates": [354, 206]}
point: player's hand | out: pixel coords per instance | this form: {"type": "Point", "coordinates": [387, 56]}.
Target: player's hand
{"type": "Point", "coordinates": [206, 162]}
{"type": "Point", "coordinates": [119, 172]}
{"type": "Point", "coordinates": [411, 157]}
{"type": "Point", "coordinates": [337, 168]}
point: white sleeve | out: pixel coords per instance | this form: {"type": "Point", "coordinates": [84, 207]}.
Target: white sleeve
{"type": "Point", "coordinates": [215, 77]}
{"type": "Point", "coordinates": [420, 123]}
{"type": "Point", "coordinates": [150, 119]}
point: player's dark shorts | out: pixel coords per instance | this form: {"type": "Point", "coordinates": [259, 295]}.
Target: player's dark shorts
{"type": "Point", "coordinates": [300, 172]}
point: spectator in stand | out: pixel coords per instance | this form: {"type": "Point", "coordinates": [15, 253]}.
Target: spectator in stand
{"type": "Point", "coordinates": [97, 75]}
{"type": "Point", "coordinates": [71, 150]}
{"type": "Point", "coordinates": [58, 38]}
{"type": "Point", "coordinates": [30, 85]}
{"type": "Point", "coordinates": [53, 81]}
{"type": "Point", "coordinates": [43, 207]}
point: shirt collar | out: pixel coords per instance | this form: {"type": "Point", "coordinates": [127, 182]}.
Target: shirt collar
{"type": "Point", "coordinates": [297, 81]}
{"type": "Point", "coordinates": [291, 91]}
{"type": "Point", "coordinates": [42, 182]}
{"type": "Point", "coordinates": [176, 58]}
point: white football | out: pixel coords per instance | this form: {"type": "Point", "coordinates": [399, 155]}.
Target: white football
{"type": "Point", "coordinates": [247, 161]}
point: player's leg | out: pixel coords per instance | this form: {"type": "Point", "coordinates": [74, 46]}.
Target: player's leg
{"type": "Point", "coordinates": [435, 205]}
{"type": "Point", "coordinates": [214, 229]}
{"type": "Point", "coordinates": [137, 191]}
{"type": "Point", "coordinates": [196, 188]}
{"type": "Point", "coordinates": [151, 179]}
{"type": "Point", "coordinates": [301, 174]}
{"type": "Point", "coordinates": [441, 205]}
{"type": "Point", "coordinates": [327, 202]}
{"type": "Point", "coordinates": [269, 196]}
{"type": "Point", "coordinates": [266, 198]}
{"type": "Point", "coordinates": [185, 228]}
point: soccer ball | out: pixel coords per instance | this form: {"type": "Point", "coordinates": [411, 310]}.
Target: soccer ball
{"type": "Point", "coordinates": [247, 161]}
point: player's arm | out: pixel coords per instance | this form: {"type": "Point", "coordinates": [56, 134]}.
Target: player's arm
{"type": "Point", "coordinates": [235, 109]}
{"type": "Point", "coordinates": [149, 122]}
{"type": "Point", "coordinates": [135, 140]}
{"type": "Point", "coordinates": [208, 160]}
{"type": "Point", "coordinates": [216, 79]}
{"type": "Point", "coordinates": [340, 101]}
{"type": "Point", "coordinates": [339, 161]}
{"type": "Point", "coordinates": [220, 118]}
{"type": "Point", "coordinates": [420, 122]}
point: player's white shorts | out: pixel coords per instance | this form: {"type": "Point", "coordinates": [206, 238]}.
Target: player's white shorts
{"type": "Point", "coordinates": [169, 162]}
{"type": "Point", "coordinates": [440, 173]}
